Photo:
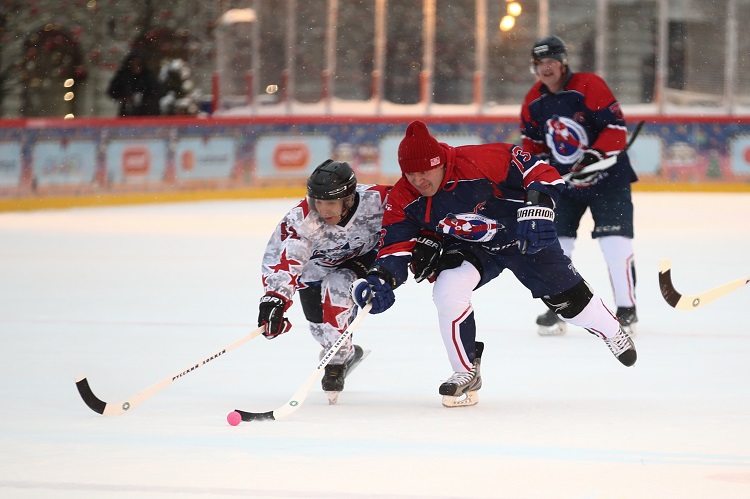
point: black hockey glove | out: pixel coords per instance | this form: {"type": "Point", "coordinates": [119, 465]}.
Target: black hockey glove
{"type": "Point", "coordinates": [271, 315]}
{"type": "Point", "coordinates": [536, 223]}
{"type": "Point", "coordinates": [425, 257]}
{"type": "Point", "coordinates": [584, 179]}
{"type": "Point", "coordinates": [360, 264]}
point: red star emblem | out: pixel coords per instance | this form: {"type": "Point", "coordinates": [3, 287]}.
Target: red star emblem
{"type": "Point", "coordinates": [331, 312]}
{"type": "Point", "coordinates": [285, 264]}
{"type": "Point", "coordinates": [294, 280]}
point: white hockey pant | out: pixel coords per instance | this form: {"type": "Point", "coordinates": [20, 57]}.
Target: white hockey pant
{"type": "Point", "coordinates": [451, 294]}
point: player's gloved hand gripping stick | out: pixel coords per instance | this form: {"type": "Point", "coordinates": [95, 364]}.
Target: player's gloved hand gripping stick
{"type": "Point", "coordinates": [536, 223]}
{"type": "Point", "coordinates": [593, 161]}
{"type": "Point", "coordinates": [376, 289]}
{"type": "Point", "coordinates": [271, 315]}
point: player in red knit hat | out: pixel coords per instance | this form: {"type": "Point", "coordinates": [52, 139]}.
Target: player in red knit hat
{"type": "Point", "coordinates": [459, 216]}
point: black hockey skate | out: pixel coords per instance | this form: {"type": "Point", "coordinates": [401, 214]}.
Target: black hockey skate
{"type": "Point", "coordinates": [335, 374]}
{"type": "Point", "coordinates": [628, 319]}
{"type": "Point", "coordinates": [461, 388]}
{"type": "Point", "coordinates": [622, 347]}
{"type": "Point", "coordinates": [550, 324]}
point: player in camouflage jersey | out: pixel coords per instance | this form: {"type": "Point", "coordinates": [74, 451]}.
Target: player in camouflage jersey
{"type": "Point", "coordinates": [318, 249]}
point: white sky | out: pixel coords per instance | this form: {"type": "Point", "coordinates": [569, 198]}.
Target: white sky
{"type": "Point", "coordinates": [128, 296]}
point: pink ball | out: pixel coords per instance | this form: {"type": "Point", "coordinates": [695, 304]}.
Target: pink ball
{"type": "Point", "coordinates": [234, 418]}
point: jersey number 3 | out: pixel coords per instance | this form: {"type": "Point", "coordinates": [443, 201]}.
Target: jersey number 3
{"type": "Point", "coordinates": [519, 157]}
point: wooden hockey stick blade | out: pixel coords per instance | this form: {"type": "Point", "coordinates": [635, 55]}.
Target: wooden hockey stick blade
{"type": "Point", "coordinates": [115, 409]}
{"type": "Point", "coordinates": [298, 398]}
{"type": "Point", "coordinates": [691, 302]}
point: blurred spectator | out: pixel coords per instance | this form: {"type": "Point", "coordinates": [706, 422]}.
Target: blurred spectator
{"type": "Point", "coordinates": [135, 87]}
{"type": "Point", "coordinates": [179, 95]}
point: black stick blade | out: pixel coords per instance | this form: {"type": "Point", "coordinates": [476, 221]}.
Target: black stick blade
{"type": "Point", "coordinates": [94, 403]}
{"type": "Point", "coordinates": [256, 416]}
{"type": "Point", "coordinates": [667, 288]}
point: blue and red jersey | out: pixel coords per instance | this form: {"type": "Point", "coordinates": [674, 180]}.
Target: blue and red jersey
{"type": "Point", "coordinates": [483, 187]}
{"type": "Point", "coordinates": [583, 115]}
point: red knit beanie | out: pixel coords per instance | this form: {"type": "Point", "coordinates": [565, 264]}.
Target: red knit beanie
{"type": "Point", "coordinates": [419, 151]}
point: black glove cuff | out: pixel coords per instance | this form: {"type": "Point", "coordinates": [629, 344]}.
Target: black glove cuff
{"type": "Point", "coordinates": [431, 240]}
{"type": "Point", "coordinates": [537, 197]}
{"type": "Point", "coordinates": [382, 273]}
{"type": "Point", "coordinates": [356, 266]}
{"type": "Point", "coordinates": [275, 299]}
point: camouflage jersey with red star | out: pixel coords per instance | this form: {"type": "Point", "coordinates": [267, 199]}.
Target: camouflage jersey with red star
{"type": "Point", "coordinates": [304, 248]}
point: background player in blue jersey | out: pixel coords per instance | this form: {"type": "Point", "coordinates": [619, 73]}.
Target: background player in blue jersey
{"type": "Point", "coordinates": [573, 120]}
{"type": "Point", "coordinates": [492, 207]}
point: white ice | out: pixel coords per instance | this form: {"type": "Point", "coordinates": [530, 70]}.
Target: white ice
{"type": "Point", "coordinates": [129, 296]}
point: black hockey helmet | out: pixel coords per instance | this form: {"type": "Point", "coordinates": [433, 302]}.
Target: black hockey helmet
{"type": "Point", "coordinates": [331, 180]}
{"type": "Point", "coordinates": [550, 47]}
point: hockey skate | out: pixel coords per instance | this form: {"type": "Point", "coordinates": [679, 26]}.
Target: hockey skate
{"type": "Point", "coordinates": [550, 324]}
{"type": "Point", "coordinates": [460, 390]}
{"type": "Point", "coordinates": [622, 347]}
{"type": "Point", "coordinates": [628, 319]}
{"type": "Point", "coordinates": [335, 374]}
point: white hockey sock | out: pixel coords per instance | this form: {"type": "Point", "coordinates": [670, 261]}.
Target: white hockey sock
{"type": "Point", "coordinates": [452, 296]}
{"type": "Point", "coordinates": [596, 318]}
{"type": "Point", "coordinates": [567, 244]}
{"type": "Point", "coordinates": [618, 253]}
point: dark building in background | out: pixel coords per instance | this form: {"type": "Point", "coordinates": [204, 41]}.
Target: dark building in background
{"type": "Point", "coordinates": [58, 56]}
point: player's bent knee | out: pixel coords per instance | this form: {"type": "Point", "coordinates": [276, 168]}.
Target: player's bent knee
{"type": "Point", "coordinates": [310, 299]}
{"type": "Point", "coordinates": [571, 302]}
{"type": "Point", "coordinates": [455, 285]}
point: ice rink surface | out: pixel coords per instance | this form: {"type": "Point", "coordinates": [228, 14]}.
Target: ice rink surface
{"type": "Point", "coordinates": [129, 296]}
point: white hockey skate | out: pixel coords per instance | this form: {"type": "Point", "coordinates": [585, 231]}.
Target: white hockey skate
{"type": "Point", "coordinates": [549, 324]}
{"type": "Point", "coordinates": [335, 374]}
{"type": "Point", "coordinates": [622, 347]}
{"type": "Point", "coordinates": [460, 390]}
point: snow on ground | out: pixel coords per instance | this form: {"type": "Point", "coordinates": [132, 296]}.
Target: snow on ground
{"type": "Point", "coordinates": [129, 296]}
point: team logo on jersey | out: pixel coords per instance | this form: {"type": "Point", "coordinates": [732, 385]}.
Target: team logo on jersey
{"type": "Point", "coordinates": [566, 139]}
{"type": "Point", "coordinates": [336, 256]}
{"type": "Point", "coordinates": [469, 226]}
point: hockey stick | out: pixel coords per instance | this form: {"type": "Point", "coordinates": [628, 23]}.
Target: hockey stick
{"type": "Point", "coordinates": [115, 409]}
{"type": "Point", "coordinates": [298, 398]}
{"type": "Point", "coordinates": [690, 302]}
{"type": "Point", "coordinates": [608, 161]}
